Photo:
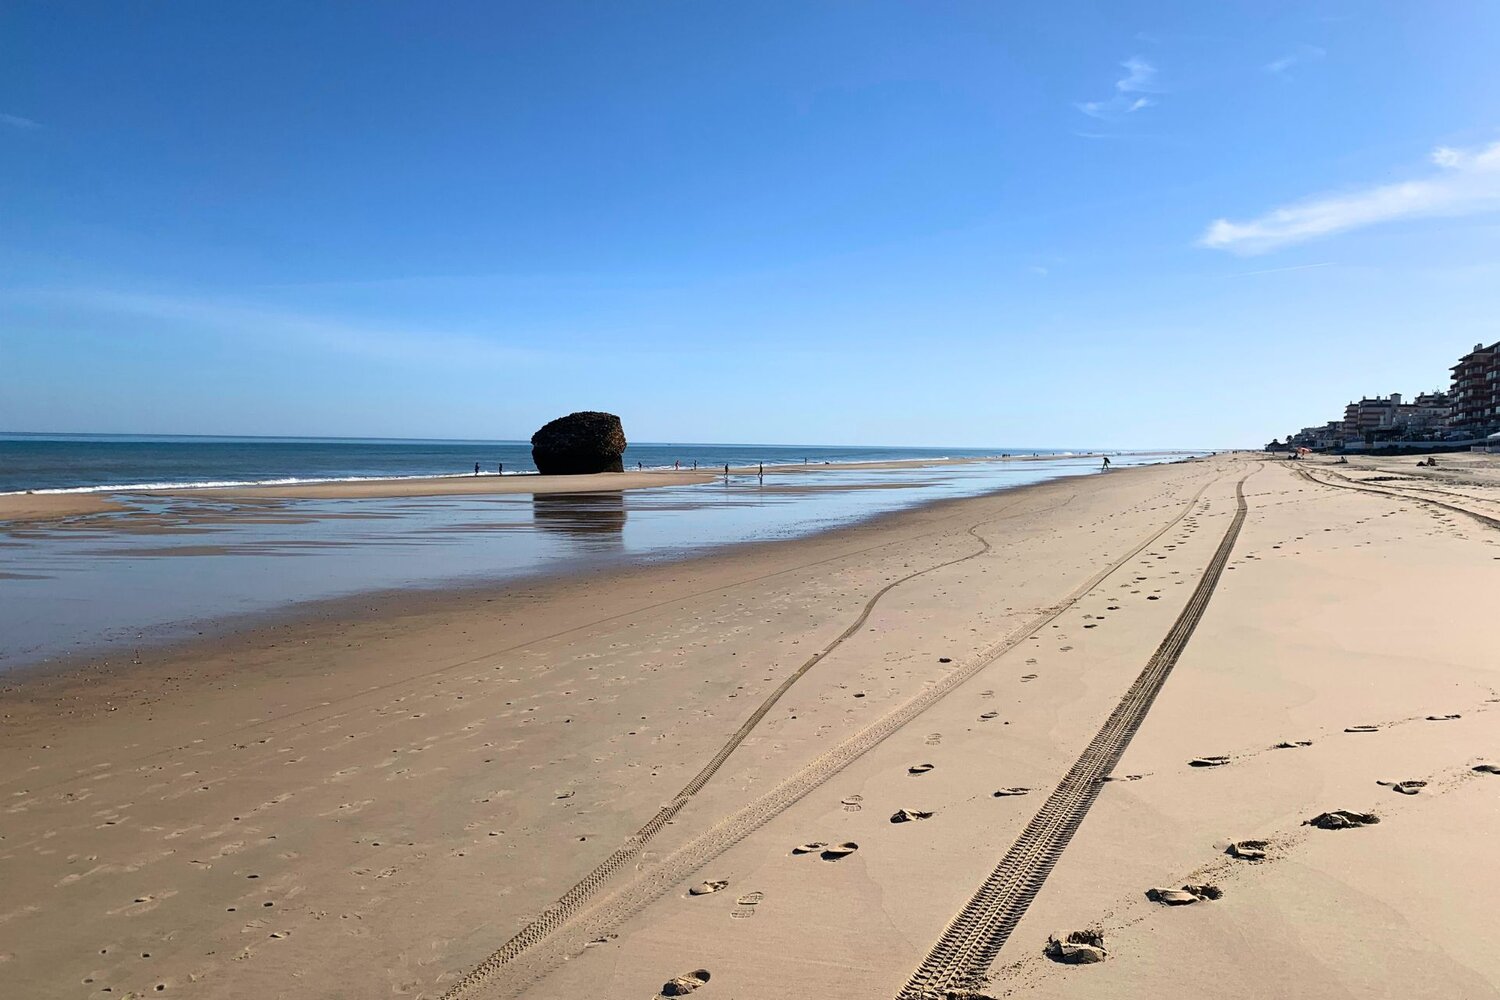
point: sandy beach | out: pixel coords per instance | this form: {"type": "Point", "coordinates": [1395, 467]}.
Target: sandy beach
{"type": "Point", "coordinates": [998, 718]}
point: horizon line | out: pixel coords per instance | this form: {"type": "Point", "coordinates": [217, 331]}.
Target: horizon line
{"type": "Point", "coordinates": [527, 441]}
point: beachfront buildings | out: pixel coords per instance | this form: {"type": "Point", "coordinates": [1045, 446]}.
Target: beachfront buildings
{"type": "Point", "coordinates": [1468, 413]}
{"type": "Point", "coordinates": [1320, 437]}
{"type": "Point", "coordinates": [1476, 392]}
{"type": "Point", "coordinates": [1370, 415]}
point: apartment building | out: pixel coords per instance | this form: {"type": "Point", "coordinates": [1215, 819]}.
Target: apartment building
{"type": "Point", "coordinates": [1476, 392]}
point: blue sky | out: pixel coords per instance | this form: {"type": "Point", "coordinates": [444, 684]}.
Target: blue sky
{"type": "Point", "coordinates": [888, 223]}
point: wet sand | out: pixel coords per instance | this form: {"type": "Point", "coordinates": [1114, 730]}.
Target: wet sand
{"type": "Point", "coordinates": [376, 804]}
{"type": "Point", "coordinates": [26, 507]}
{"type": "Point", "coordinates": [52, 506]}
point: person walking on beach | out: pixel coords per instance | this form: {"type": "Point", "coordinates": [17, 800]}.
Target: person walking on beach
{"type": "Point", "coordinates": [476, 468]}
{"type": "Point", "coordinates": [499, 468]}
{"type": "Point", "coordinates": [1105, 466]}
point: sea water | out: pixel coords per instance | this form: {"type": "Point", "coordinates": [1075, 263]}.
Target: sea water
{"type": "Point", "coordinates": [47, 463]}
{"type": "Point", "coordinates": [178, 565]}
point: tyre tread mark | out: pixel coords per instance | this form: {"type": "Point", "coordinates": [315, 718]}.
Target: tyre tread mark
{"type": "Point", "coordinates": [968, 947]}
{"type": "Point", "coordinates": [671, 870]}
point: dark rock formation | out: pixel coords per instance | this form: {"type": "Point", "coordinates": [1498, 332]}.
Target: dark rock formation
{"type": "Point", "coordinates": [578, 444]}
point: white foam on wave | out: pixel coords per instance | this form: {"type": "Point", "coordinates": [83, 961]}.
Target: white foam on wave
{"type": "Point", "coordinates": [312, 481]}
{"type": "Point", "coordinates": [223, 483]}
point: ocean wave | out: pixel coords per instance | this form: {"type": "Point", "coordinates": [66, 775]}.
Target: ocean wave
{"type": "Point", "coordinates": [223, 483]}
{"type": "Point", "coordinates": [736, 463]}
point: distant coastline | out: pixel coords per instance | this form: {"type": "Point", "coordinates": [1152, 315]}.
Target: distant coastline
{"type": "Point", "coordinates": [96, 463]}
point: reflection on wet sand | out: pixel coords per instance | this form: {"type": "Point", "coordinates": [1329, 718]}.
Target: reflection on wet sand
{"type": "Point", "coordinates": [586, 516]}
{"type": "Point", "coordinates": [118, 567]}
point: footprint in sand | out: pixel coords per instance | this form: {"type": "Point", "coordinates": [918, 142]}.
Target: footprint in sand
{"type": "Point", "coordinates": [839, 851]}
{"type": "Point", "coordinates": [1361, 729]}
{"type": "Point", "coordinates": [810, 848]}
{"type": "Point", "coordinates": [1217, 761]}
{"type": "Point", "coordinates": [681, 986]}
{"type": "Point", "coordinates": [987, 716]}
{"type": "Point", "coordinates": [1184, 896]}
{"type": "Point", "coordinates": [745, 905]}
{"type": "Point", "coordinates": [1341, 819]}
{"type": "Point", "coordinates": [1076, 947]}
{"type": "Point", "coordinates": [1292, 744]}
{"type": "Point", "coordinates": [704, 888]}
{"type": "Point", "coordinates": [852, 803]}
{"type": "Point", "coordinates": [1247, 850]}
{"type": "Point", "coordinates": [933, 739]}
{"type": "Point", "coordinates": [1444, 718]}
{"type": "Point", "coordinates": [1487, 768]}
{"type": "Point", "coordinates": [1005, 793]}
{"type": "Point", "coordinates": [1027, 677]}
{"type": "Point", "coordinates": [909, 815]}
{"type": "Point", "coordinates": [919, 768]}
{"type": "Point", "coordinates": [1123, 777]}
{"type": "Point", "coordinates": [1404, 787]}
{"type": "Point", "coordinates": [986, 694]}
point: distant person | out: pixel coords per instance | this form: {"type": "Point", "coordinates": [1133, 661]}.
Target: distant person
{"type": "Point", "coordinates": [677, 464]}
{"type": "Point", "coordinates": [695, 465]}
{"type": "Point", "coordinates": [726, 470]}
{"type": "Point", "coordinates": [499, 468]}
{"type": "Point", "coordinates": [476, 468]}
{"type": "Point", "coordinates": [639, 467]}
{"type": "Point", "coordinates": [1105, 466]}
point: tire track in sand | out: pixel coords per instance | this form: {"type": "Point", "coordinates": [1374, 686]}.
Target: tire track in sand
{"type": "Point", "coordinates": [961, 959]}
{"type": "Point", "coordinates": [1345, 483]}
{"type": "Point", "coordinates": [674, 868]}
{"type": "Point", "coordinates": [570, 901]}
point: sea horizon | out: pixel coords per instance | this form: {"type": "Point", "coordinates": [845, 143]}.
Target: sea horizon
{"type": "Point", "coordinates": [65, 462]}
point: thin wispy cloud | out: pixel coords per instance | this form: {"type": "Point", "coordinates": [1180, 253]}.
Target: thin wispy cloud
{"type": "Point", "coordinates": [1139, 79]}
{"type": "Point", "coordinates": [253, 323]}
{"type": "Point", "coordinates": [17, 121]}
{"type": "Point", "coordinates": [1465, 183]}
{"type": "Point", "coordinates": [1303, 54]}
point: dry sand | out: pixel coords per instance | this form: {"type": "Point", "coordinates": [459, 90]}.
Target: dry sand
{"type": "Point", "coordinates": [370, 805]}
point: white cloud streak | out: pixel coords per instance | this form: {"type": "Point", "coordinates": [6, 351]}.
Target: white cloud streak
{"type": "Point", "coordinates": [17, 121]}
{"type": "Point", "coordinates": [1139, 78]}
{"type": "Point", "coordinates": [1465, 183]}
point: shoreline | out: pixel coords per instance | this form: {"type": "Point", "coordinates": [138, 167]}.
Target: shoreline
{"type": "Point", "coordinates": [450, 596]}
{"type": "Point", "coordinates": [58, 504]}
